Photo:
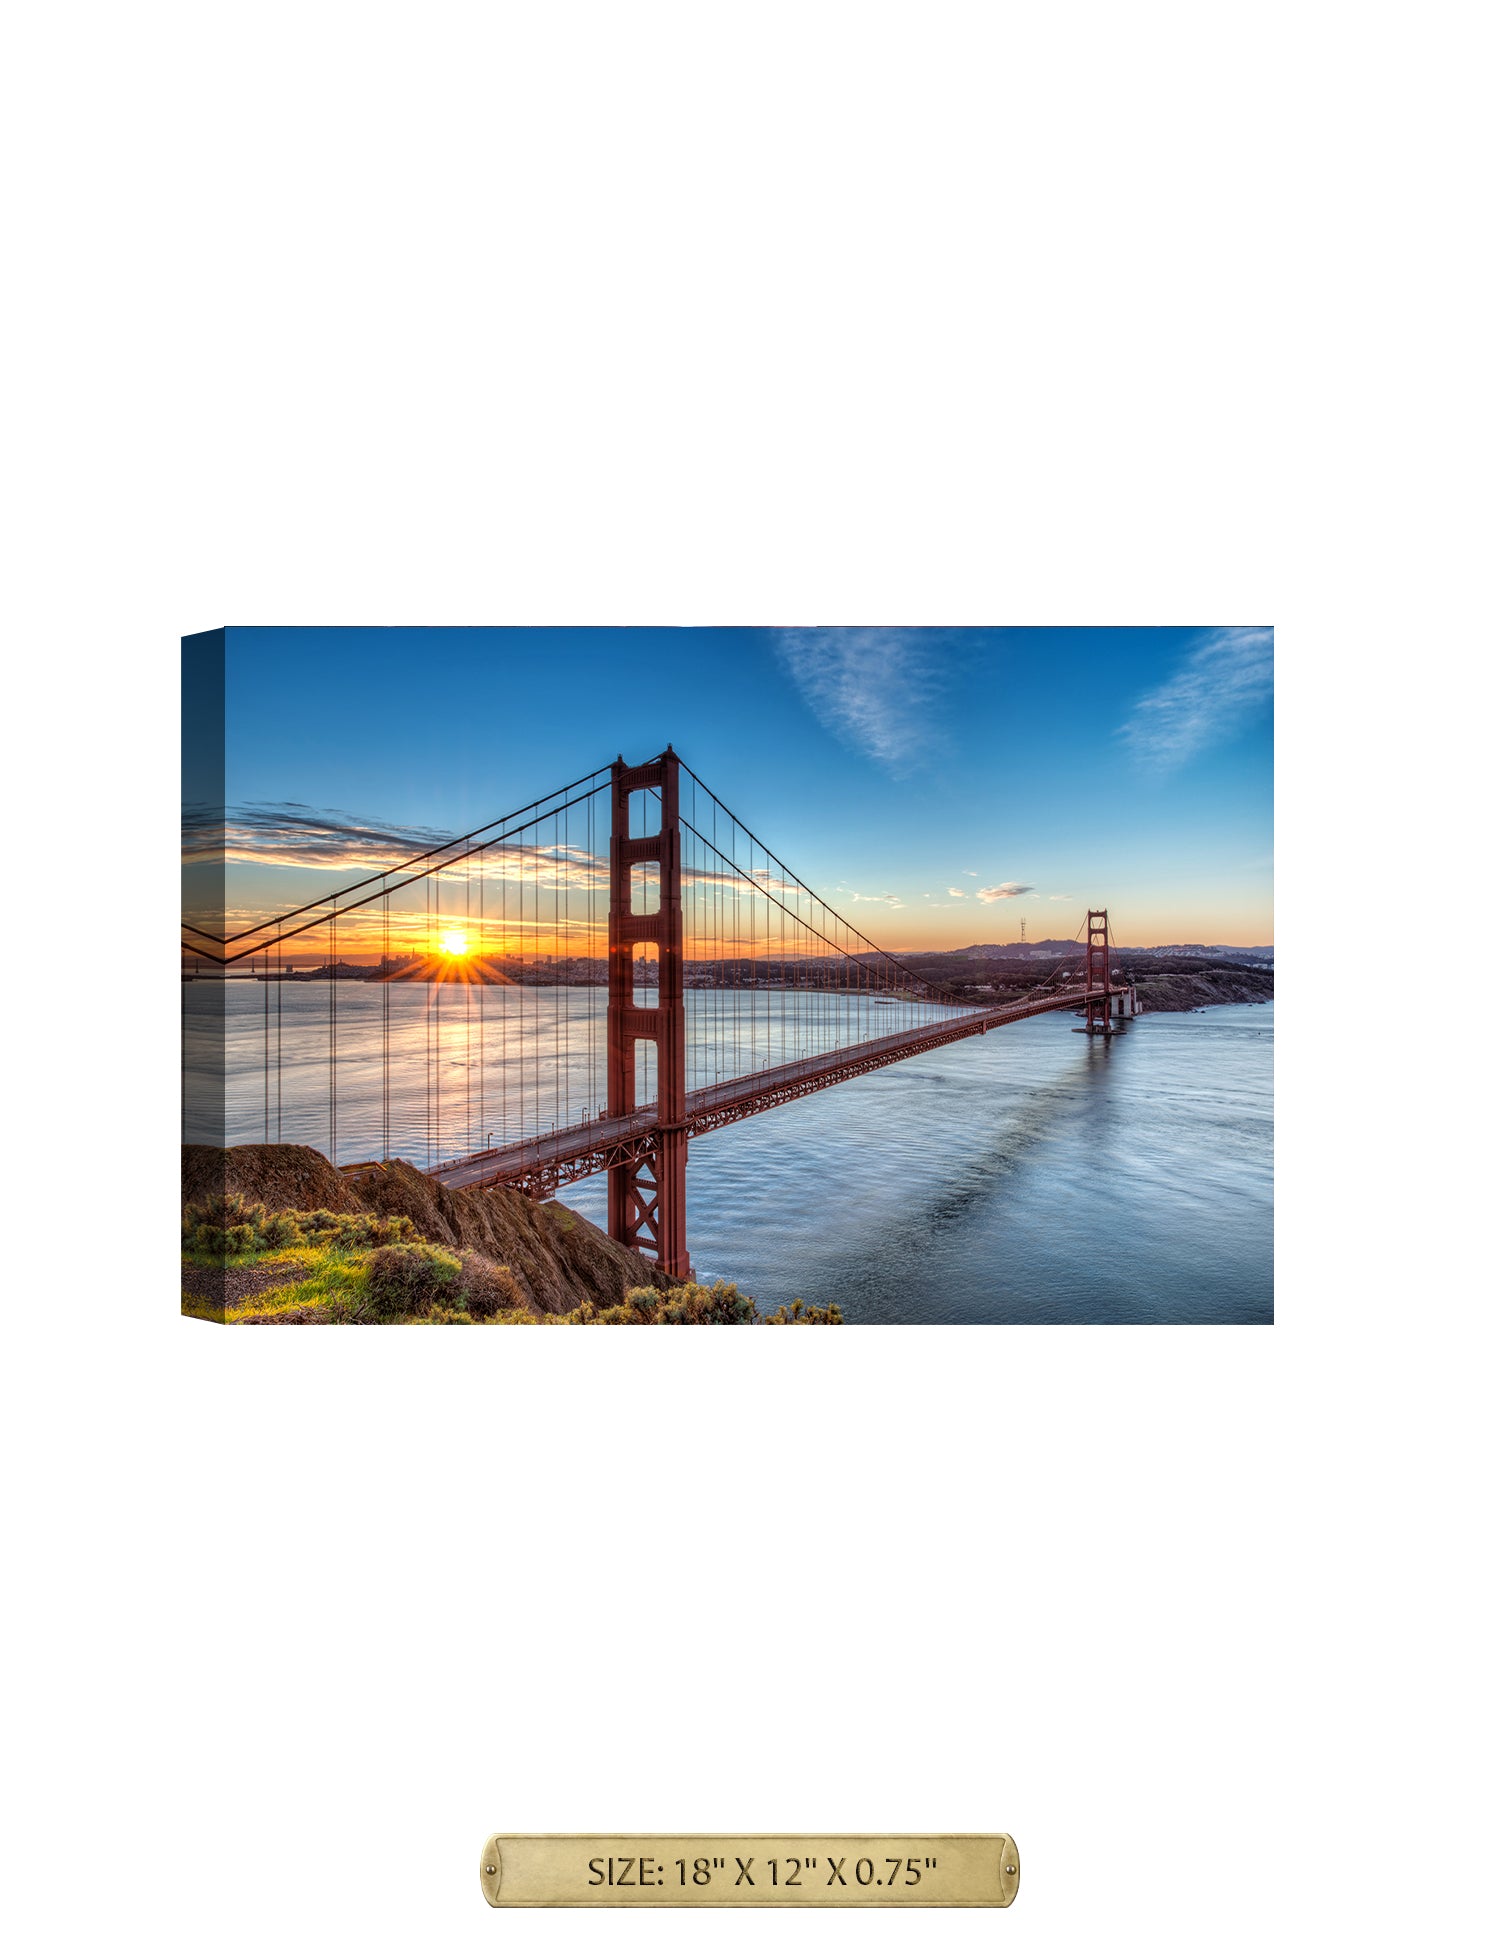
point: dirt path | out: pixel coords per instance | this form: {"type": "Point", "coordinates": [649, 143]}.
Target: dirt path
{"type": "Point", "coordinates": [221, 1287]}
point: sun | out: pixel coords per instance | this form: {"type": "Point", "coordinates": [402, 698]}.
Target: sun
{"type": "Point", "coordinates": [455, 944]}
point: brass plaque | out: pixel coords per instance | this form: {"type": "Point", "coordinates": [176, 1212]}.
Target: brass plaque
{"type": "Point", "coordinates": [727, 1871]}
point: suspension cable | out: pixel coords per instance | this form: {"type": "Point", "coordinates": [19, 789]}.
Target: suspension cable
{"type": "Point", "coordinates": [288, 934]}
{"type": "Point", "coordinates": [401, 865]}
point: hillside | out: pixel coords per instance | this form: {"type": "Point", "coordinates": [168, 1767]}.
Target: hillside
{"type": "Point", "coordinates": [557, 1257]}
{"type": "Point", "coordinates": [264, 1220]}
{"type": "Point", "coordinates": [1177, 991]}
{"type": "Point", "coordinates": [1164, 981]}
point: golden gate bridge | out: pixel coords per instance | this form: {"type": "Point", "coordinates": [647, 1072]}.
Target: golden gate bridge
{"type": "Point", "coordinates": [729, 987]}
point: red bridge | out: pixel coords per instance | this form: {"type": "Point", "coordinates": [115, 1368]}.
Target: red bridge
{"type": "Point", "coordinates": [787, 997]}
{"type": "Point", "coordinates": [645, 1150]}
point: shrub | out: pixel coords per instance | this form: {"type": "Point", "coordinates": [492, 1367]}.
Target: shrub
{"type": "Point", "coordinates": [219, 1242]}
{"type": "Point", "coordinates": [226, 1223]}
{"type": "Point", "coordinates": [488, 1289]}
{"type": "Point", "coordinates": [384, 1232]}
{"type": "Point", "coordinates": [224, 1210]}
{"type": "Point", "coordinates": [692, 1305]}
{"type": "Point", "coordinates": [353, 1229]}
{"type": "Point", "coordinates": [409, 1279]}
{"type": "Point", "coordinates": [221, 1224]}
{"type": "Point", "coordinates": [803, 1315]}
{"type": "Point", "coordinates": [281, 1229]}
{"type": "Point", "coordinates": [719, 1305]}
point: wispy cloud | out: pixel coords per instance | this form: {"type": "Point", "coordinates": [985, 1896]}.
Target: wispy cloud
{"type": "Point", "coordinates": [958, 893]}
{"type": "Point", "coordinates": [890, 900]}
{"type": "Point", "coordinates": [286, 833]}
{"type": "Point", "coordinates": [1060, 897]}
{"type": "Point", "coordinates": [878, 690]}
{"type": "Point", "coordinates": [1225, 680]}
{"type": "Point", "coordinates": [1006, 891]}
{"type": "Point", "coordinates": [971, 872]}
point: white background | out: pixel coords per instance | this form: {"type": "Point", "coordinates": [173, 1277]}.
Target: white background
{"type": "Point", "coordinates": [784, 313]}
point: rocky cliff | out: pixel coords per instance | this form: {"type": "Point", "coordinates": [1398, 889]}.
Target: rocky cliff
{"type": "Point", "coordinates": [558, 1258]}
{"type": "Point", "coordinates": [1203, 987]}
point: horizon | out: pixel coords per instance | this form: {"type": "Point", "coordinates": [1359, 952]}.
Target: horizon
{"type": "Point", "coordinates": [934, 776]}
{"type": "Point", "coordinates": [369, 958]}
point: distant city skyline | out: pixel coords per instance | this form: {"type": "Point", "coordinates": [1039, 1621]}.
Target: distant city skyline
{"type": "Point", "coordinates": [934, 785]}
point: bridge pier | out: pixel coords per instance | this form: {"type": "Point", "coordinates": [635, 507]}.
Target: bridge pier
{"type": "Point", "coordinates": [648, 1196]}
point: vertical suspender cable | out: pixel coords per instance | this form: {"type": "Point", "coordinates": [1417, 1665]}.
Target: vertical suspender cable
{"type": "Point", "coordinates": [466, 972]}
{"type": "Point", "coordinates": [333, 1038]}
{"type": "Point", "coordinates": [593, 999]}
{"type": "Point", "coordinates": [435, 1022]}
{"type": "Point", "coordinates": [556, 989]}
{"type": "Point", "coordinates": [427, 1017]}
{"type": "Point", "coordinates": [385, 1027]}
{"type": "Point", "coordinates": [484, 983]}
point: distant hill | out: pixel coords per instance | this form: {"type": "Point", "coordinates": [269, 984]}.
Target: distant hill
{"type": "Point", "coordinates": [1027, 950]}
{"type": "Point", "coordinates": [1219, 950]}
{"type": "Point", "coordinates": [1017, 950]}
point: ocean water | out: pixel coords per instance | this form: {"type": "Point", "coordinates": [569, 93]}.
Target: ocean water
{"type": "Point", "coordinates": [1033, 1174]}
{"type": "Point", "coordinates": [1028, 1175]}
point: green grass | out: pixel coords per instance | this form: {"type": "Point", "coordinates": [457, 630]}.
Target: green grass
{"type": "Point", "coordinates": [331, 1280]}
{"type": "Point", "coordinates": [316, 1276]}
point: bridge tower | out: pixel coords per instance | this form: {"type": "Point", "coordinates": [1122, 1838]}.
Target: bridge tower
{"type": "Point", "coordinates": [648, 1197]}
{"type": "Point", "coordinates": [1096, 974]}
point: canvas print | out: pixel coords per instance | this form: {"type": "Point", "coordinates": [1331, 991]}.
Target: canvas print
{"type": "Point", "coordinates": [802, 976]}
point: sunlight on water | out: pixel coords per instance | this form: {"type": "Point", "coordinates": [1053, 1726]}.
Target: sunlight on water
{"type": "Point", "coordinates": [469, 1067]}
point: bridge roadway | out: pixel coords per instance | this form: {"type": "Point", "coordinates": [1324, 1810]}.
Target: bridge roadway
{"type": "Point", "coordinates": [541, 1164]}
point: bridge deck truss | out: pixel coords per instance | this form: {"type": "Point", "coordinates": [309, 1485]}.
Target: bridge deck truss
{"type": "Point", "coordinates": [540, 1166]}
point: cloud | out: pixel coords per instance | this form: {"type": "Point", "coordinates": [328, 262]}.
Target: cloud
{"type": "Point", "coordinates": [971, 873]}
{"type": "Point", "coordinates": [1006, 891]}
{"type": "Point", "coordinates": [732, 880]}
{"type": "Point", "coordinates": [1225, 680]}
{"type": "Point", "coordinates": [890, 900]}
{"type": "Point", "coordinates": [1061, 897]}
{"type": "Point", "coordinates": [877, 690]}
{"type": "Point", "coordinates": [958, 893]}
{"type": "Point", "coordinates": [286, 833]}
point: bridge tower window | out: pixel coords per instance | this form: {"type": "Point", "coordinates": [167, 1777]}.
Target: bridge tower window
{"type": "Point", "coordinates": [645, 888]}
{"type": "Point", "coordinates": [645, 815]}
{"type": "Point", "coordinates": [645, 1071]}
{"type": "Point", "coordinates": [646, 975]}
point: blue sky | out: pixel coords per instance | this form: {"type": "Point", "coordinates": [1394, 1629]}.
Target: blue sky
{"type": "Point", "coordinates": [936, 785]}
